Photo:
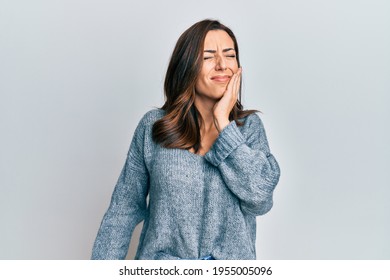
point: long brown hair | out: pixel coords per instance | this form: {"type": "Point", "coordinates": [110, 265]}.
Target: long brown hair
{"type": "Point", "coordinates": [180, 127]}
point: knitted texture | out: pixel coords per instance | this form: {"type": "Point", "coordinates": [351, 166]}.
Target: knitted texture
{"type": "Point", "coordinates": [198, 205]}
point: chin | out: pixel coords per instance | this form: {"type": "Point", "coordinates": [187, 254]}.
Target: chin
{"type": "Point", "coordinates": [219, 94]}
{"type": "Point", "coordinates": [219, 97]}
{"type": "Point", "coordinates": [215, 94]}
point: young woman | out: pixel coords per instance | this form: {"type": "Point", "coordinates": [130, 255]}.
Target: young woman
{"type": "Point", "coordinates": [203, 161]}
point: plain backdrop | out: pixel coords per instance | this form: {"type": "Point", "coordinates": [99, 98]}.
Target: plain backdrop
{"type": "Point", "coordinates": [77, 76]}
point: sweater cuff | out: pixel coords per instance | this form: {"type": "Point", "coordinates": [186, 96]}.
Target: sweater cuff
{"type": "Point", "coordinates": [228, 140]}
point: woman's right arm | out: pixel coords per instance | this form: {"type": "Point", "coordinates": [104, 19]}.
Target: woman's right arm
{"type": "Point", "coordinates": [128, 203]}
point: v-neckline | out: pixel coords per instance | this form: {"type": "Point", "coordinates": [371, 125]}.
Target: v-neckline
{"type": "Point", "coordinates": [194, 155]}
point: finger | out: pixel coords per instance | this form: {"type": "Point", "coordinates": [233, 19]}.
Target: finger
{"type": "Point", "coordinates": [230, 85]}
{"type": "Point", "coordinates": [232, 89]}
{"type": "Point", "coordinates": [237, 81]}
{"type": "Point", "coordinates": [236, 86]}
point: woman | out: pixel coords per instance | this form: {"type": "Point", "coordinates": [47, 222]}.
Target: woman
{"type": "Point", "coordinates": [202, 159]}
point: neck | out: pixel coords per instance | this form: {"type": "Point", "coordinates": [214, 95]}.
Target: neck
{"type": "Point", "coordinates": [205, 109]}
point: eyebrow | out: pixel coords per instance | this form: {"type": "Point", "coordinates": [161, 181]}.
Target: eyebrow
{"type": "Point", "coordinates": [224, 50]}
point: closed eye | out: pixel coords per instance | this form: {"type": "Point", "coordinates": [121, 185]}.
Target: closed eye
{"type": "Point", "coordinates": [209, 57]}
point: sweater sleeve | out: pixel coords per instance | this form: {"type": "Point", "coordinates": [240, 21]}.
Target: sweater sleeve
{"type": "Point", "coordinates": [247, 167]}
{"type": "Point", "coordinates": [128, 203]}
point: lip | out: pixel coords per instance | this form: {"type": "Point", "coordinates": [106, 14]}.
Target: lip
{"type": "Point", "coordinates": [221, 78]}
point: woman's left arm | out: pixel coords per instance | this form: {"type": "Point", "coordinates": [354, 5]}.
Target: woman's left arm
{"type": "Point", "coordinates": [247, 167]}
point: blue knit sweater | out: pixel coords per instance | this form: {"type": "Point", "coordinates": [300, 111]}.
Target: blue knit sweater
{"type": "Point", "coordinates": [198, 205]}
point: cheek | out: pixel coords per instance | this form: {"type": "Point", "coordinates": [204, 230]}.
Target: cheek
{"type": "Point", "coordinates": [200, 86]}
{"type": "Point", "coordinates": [201, 82]}
{"type": "Point", "coordinates": [234, 66]}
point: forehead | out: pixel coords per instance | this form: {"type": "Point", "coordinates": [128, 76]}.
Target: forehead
{"type": "Point", "coordinates": [218, 39]}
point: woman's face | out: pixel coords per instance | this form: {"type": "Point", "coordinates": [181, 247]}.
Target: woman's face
{"type": "Point", "coordinates": [219, 64]}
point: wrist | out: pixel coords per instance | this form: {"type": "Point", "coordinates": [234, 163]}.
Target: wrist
{"type": "Point", "coordinates": [220, 124]}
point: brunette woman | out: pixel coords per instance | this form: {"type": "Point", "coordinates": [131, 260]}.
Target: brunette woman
{"type": "Point", "coordinates": [203, 161]}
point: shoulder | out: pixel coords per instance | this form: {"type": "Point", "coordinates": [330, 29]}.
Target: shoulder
{"type": "Point", "coordinates": [252, 121]}
{"type": "Point", "coordinates": [145, 125]}
{"type": "Point", "coordinates": [254, 132]}
{"type": "Point", "coordinates": [142, 137]}
{"type": "Point", "coordinates": [150, 117]}
{"type": "Point", "coordinates": [253, 128]}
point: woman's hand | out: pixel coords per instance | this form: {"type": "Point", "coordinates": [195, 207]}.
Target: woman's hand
{"type": "Point", "coordinates": [225, 105]}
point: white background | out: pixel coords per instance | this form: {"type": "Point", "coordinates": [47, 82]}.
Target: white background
{"type": "Point", "coordinates": [77, 76]}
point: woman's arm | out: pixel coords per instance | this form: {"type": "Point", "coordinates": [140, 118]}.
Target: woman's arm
{"type": "Point", "coordinates": [248, 168]}
{"type": "Point", "coordinates": [128, 204]}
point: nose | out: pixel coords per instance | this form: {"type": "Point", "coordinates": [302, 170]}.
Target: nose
{"type": "Point", "coordinates": [220, 63]}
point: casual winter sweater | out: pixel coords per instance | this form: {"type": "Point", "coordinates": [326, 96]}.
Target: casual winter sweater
{"type": "Point", "coordinates": [198, 205]}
